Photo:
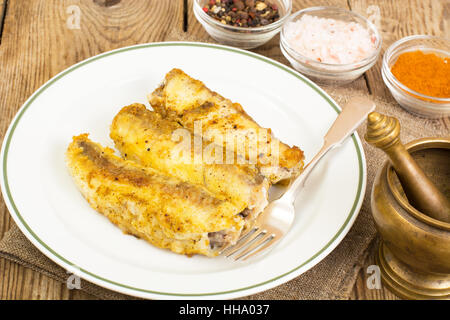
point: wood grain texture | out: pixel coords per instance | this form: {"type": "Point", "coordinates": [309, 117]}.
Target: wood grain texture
{"type": "Point", "coordinates": [398, 19]}
{"type": "Point", "coordinates": [36, 45]}
{"type": "Point", "coordinates": [3, 5]}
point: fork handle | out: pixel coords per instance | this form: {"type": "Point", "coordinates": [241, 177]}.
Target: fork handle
{"type": "Point", "coordinates": [346, 123]}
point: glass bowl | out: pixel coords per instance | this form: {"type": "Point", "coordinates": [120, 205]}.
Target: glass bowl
{"type": "Point", "coordinates": [242, 37]}
{"type": "Point", "coordinates": [326, 72]}
{"type": "Point", "coordinates": [413, 101]}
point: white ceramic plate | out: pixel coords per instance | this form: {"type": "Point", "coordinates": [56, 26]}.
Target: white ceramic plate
{"type": "Point", "coordinates": [50, 211]}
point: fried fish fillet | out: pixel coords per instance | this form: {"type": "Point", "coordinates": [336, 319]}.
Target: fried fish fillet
{"type": "Point", "coordinates": [163, 210]}
{"type": "Point", "coordinates": [189, 101]}
{"type": "Point", "coordinates": [145, 137]}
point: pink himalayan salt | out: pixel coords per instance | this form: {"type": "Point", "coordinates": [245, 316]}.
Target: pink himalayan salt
{"type": "Point", "coordinates": [330, 41]}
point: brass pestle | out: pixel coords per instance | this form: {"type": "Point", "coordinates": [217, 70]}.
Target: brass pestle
{"type": "Point", "coordinates": [383, 132]}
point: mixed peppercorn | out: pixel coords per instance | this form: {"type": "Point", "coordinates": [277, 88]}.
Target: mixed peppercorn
{"type": "Point", "coordinates": [243, 13]}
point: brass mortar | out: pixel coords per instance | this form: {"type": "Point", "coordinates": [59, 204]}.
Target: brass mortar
{"type": "Point", "coordinates": [414, 254]}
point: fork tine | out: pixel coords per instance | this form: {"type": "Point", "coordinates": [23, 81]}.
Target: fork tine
{"type": "Point", "coordinates": [243, 244]}
{"type": "Point", "coordinates": [264, 247]}
{"type": "Point", "coordinates": [255, 245]}
{"type": "Point", "coordinates": [248, 232]}
{"type": "Point", "coordinates": [241, 238]}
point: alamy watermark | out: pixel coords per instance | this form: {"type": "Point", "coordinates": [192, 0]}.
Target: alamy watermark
{"type": "Point", "coordinates": [374, 280]}
{"type": "Point", "coordinates": [232, 146]}
{"type": "Point", "coordinates": [73, 280]}
{"type": "Point", "coordinates": [374, 15]}
{"type": "Point", "coordinates": [73, 21]}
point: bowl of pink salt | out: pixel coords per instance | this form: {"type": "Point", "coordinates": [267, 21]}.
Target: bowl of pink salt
{"type": "Point", "coordinates": [330, 44]}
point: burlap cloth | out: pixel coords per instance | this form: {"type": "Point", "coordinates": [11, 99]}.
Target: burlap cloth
{"type": "Point", "coordinates": [332, 278]}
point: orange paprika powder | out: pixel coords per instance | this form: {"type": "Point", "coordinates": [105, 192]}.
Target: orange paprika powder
{"type": "Point", "coordinates": [428, 73]}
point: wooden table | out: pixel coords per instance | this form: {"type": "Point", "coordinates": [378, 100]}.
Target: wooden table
{"type": "Point", "coordinates": [39, 38]}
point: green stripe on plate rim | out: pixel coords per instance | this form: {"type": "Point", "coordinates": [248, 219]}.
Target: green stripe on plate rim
{"type": "Point", "coordinates": [166, 44]}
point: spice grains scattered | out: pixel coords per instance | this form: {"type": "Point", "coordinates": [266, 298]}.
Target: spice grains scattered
{"type": "Point", "coordinates": [426, 73]}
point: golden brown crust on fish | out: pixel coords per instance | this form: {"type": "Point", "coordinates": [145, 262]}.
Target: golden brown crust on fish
{"type": "Point", "coordinates": [187, 100]}
{"type": "Point", "coordinates": [163, 210]}
{"type": "Point", "coordinates": [145, 137]}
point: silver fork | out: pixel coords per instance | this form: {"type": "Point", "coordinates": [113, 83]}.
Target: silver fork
{"type": "Point", "coordinates": [277, 218]}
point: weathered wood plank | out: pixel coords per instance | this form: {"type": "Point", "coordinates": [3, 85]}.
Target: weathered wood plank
{"type": "Point", "coordinates": [34, 49]}
{"type": "Point", "coordinates": [43, 37]}
{"type": "Point", "coordinates": [195, 32]}
{"type": "Point", "coordinates": [395, 20]}
{"type": "Point", "coordinates": [3, 4]}
{"type": "Point", "coordinates": [398, 19]}
{"type": "Point", "coordinates": [99, 31]}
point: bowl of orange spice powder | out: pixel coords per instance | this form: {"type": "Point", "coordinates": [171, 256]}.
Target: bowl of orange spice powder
{"type": "Point", "coordinates": [416, 69]}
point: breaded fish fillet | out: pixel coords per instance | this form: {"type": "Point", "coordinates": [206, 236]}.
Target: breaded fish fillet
{"type": "Point", "coordinates": [163, 210]}
{"type": "Point", "coordinates": [145, 137]}
{"type": "Point", "coordinates": [187, 101]}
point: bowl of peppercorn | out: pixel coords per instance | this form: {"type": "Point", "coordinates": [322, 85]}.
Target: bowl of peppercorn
{"type": "Point", "coordinates": [244, 24]}
{"type": "Point", "coordinates": [416, 69]}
